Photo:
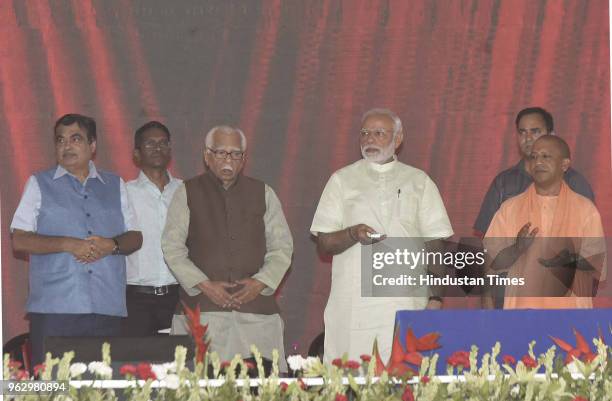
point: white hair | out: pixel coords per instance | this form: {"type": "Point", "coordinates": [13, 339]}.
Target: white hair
{"type": "Point", "coordinates": [397, 123]}
{"type": "Point", "coordinates": [225, 130]}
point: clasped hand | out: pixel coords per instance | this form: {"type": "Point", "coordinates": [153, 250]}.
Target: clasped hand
{"type": "Point", "coordinates": [91, 249]}
{"type": "Point", "coordinates": [218, 292]}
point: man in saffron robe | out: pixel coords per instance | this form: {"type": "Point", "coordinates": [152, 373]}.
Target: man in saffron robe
{"type": "Point", "coordinates": [549, 235]}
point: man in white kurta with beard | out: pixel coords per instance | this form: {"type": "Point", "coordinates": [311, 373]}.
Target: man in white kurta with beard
{"type": "Point", "coordinates": [375, 195]}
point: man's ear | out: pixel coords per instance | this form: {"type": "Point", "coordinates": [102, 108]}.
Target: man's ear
{"type": "Point", "coordinates": [565, 164]}
{"type": "Point", "coordinates": [398, 139]}
{"type": "Point", "coordinates": [92, 146]}
{"type": "Point", "coordinates": [136, 156]}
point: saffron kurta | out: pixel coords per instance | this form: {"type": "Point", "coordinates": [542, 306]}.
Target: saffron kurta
{"type": "Point", "coordinates": [394, 199]}
{"type": "Point", "coordinates": [568, 215]}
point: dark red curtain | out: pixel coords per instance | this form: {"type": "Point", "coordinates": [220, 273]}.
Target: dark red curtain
{"type": "Point", "coordinates": [296, 76]}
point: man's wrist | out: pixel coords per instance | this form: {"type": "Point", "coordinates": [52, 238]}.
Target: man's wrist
{"type": "Point", "coordinates": [116, 250]}
{"type": "Point", "coordinates": [69, 244]}
{"type": "Point", "coordinates": [350, 233]}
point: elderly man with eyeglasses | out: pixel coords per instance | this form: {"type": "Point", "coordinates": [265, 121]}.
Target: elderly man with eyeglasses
{"type": "Point", "coordinates": [228, 244]}
{"type": "Point", "coordinates": [365, 202]}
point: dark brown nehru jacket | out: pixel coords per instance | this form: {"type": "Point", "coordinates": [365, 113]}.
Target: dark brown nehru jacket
{"type": "Point", "coordinates": [226, 238]}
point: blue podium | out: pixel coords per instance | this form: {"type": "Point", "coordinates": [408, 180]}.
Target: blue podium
{"type": "Point", "coordinates": [514, 329]}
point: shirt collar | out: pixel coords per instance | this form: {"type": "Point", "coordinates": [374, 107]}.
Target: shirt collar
{"type": "Point", "coordinates": [143, 178]}
{"type": "Point", "coordinates": [93, 172]}
{"type": "Point", "coordinates": [382, 168]}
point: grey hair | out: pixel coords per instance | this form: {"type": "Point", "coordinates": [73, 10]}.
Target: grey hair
{"type": "Point", "coordinates": [226, 130]}
{"type": "Point", "coordinates": [397, 123]}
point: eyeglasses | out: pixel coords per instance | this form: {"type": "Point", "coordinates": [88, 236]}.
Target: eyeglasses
{"type": "Point", "coordinates": [222, 154]}
{"type": "Point", "coordinates": [152, 145]}
{"type": "Point", "coordinates": [378, 133]}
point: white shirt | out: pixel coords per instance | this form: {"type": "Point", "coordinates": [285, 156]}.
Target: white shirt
{"type": "Point", "coordinates": [26, 215]}
{"type": "Point", "coordinates": [150, 205]}
{"type": "Point", "coordinates": [394, 199]}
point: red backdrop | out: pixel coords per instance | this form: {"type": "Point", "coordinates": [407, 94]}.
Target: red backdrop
{"type": "Point", "coordinates": [296, 76]}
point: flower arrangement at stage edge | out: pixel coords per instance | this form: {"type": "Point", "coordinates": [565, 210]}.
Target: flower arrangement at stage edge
{"type": "Point", "coordinates": [485, 379]}
{"type": "Point", "coordinates": [400, 357]}
{"type": "Point", "coordinates": [197, 331]}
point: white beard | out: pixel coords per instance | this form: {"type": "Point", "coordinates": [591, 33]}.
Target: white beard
{"type": "Point", "coordinates": [383, 154]}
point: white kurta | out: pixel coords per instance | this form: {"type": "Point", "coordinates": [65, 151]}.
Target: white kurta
{"type": "Point", "coordinates": [394, 199]}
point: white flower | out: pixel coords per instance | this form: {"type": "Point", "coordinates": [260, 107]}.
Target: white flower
{"type": "Point", "coordinates": [572, 367]}
{"type": "Point", "coordinates": [296, 362]}
{"type": "Point", "coordinates": [514, 391]}
{"type": "Point", "coordinates": [310, 362]}
{"type": "Point", "coordinates": [160, 371]}
{"type": "Point", "coordinates": [172, 381]}
{"type": "Point", "coordinates": [100, 369]}
{"type": "Point", "coordinates": [77, 369]}
{"type": "Point", "coordinates": [170, 366]}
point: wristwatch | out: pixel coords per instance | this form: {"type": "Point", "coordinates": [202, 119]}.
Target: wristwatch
{"type": "Point", "coordinates": [116, 248]}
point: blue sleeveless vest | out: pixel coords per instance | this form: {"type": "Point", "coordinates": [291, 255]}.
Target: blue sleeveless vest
{"type": "Point", "coordinates": [60, 284]}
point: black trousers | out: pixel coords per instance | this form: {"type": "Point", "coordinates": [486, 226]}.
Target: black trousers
{"type": "Point", "coordinates": [148, 313]}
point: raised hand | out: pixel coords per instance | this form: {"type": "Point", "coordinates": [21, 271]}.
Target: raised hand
{"type": "Point", "coordinates": [525, 238]}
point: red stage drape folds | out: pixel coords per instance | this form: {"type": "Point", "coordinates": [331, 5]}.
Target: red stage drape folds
{"type": "Point", "coordinates": [296, 77]}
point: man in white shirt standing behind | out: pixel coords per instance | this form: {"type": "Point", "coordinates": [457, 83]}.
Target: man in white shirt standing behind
{"type": "Point", "coordinates": [152, 290]}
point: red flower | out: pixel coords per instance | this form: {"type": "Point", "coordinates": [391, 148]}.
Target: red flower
{"type": "Point", "coordinates": [302, 384]}
{"type": "Point", "coordinates": [145, 372]}
{"type": "Point", "coordinates": [509, 360]}
{"type": "Point", "coordinates": [337, 362]}
{"type": "Point", "coordinates": [128, 369]}
{"type": "Point", "coordinates": [340, 397]}
{"type": "Point", "coordinates": [459, 358]}
{"type": "Point", "coordinates": [529, 361]}
{"type": "Point", "coordinates": [573, 353]}
{"type": "Point", "coordinates": [366, 358]}
{"type": "Point", "coordinates": [589, 357]}
{"type": "Point", "coordinates": [225, 364]}
{"type": "Point", "coordinates": [250, 365]}
{"type": "Point", "coordinates": [407, 395]}
{"type": "Point", "coordinates": [579, 398]}
{"type": "Point", "coordinates": [581, 350]}
{"type": "Point", "coordinates": [197, 331]}
{"type": "Point", "coordinates": [14, 364]}
{"type": "Point", "coordinates": [352, 365]}
{"type": "Point", "coordinates": [425, 379]}
{"type": "Point", "coordinates": [39, 369]}
{"type": "Point", "coordinates": [396, 366]}
{"type": "Point", "coordinates": [22, 375]}
{"type": "Point", "coordinates": [284, 386]}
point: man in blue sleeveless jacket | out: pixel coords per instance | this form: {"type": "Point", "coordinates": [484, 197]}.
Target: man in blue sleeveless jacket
{"type": "Point", "coordinates": [74, 221]}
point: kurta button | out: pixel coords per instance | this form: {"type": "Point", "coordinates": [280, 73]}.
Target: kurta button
{"type": "Point", "coordinates": [85, 197]}
{"type": "Point", "coordinates": [89, 271]}
{"type": "Point", "coordinates": [233, 237]}
{"type": "Point", "coordinates": [87, 214]}
{"type": "Point", "coordinates": [89, 232]}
